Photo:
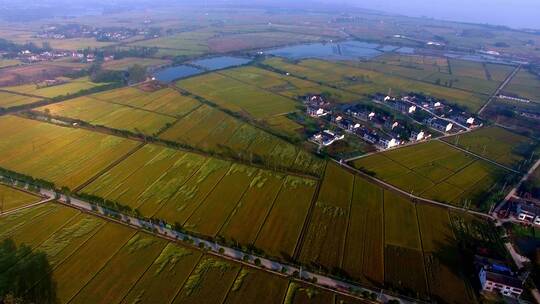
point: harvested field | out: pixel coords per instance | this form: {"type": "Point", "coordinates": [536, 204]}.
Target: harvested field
{"type": "Point", "coordinates": [65, 156]}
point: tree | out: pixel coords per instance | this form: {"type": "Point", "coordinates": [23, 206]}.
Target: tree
{"type": "Point", "coordinates": [25, 276]}
{"type": "Point", "coordinates": [136, 73]}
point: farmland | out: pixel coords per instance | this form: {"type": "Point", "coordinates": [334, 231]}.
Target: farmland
{"type": "Point", "coordinates": [363, 81]}
{"type": "Point", "coordinates": [437, 171]}
{"type": "Point", "coordinates": [69, 87]}
{"type": "Point", "coordinates": [8, 100]}
{"type": "Point", "coordinates": [525, 85]}
{"type": "Point", "coordinates": [139, 266]}
{"type": "Point", "coordinates": [25, 74]}
{"type": "Point", "coordinates": [497, 144]}
{"type": "Point", "coordinates": [125, 63]}
{"type": "Point", "coordinates": [209, 196]}
{"type": "Point", "coordinates": [11, 198]}
{"type": "Point", "coordinates": [213, 130]}
{"type": "Point", "coordinates": [365, 232]}
{"type": "Point", "coordinates": [65, 156]}
{"type": "Point", "coordinates": [110, 115]}
{"type": "Point", "coordinates": [237, 96]}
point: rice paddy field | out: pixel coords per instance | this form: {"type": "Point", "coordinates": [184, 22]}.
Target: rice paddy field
{"type": "Point", "coordinates": [497, 144]}
{"type": "Point", "coordinates": [360, 230]}
{"type": "Point", "coordinates": [436, 171]}
{"type": "Point", "coordinates": [65, 156]}
{"type": "Point", "coordinates": [237, 96]}
{"type": "Point", "coordinates": [525, 85]}
{"type": "Point", "coordinates": [211, 197]}
{"type": "Point", "coordinates": [8, 100]}
{"type": "Point", "coordinates": [110, 115]}
{"type": "Point", "coordinates": [103, 262]}
{"type": "Point", "coordinates": [364, 81]}
{"type": "Point", "coordinates": [11, 198]}
{"type": "Point", "coordinates": [213, 130]}
{"type": "Point", "coordinates": [70, 87]}
{"type": "Point", "coordinates": [162, 101]}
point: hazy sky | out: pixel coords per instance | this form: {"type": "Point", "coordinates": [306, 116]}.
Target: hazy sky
{"type": "Point", "coordinates": [513, 13]}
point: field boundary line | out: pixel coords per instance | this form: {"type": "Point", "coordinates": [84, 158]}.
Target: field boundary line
{"type": "Point", "coordinates": [145, 271]}
{"type": "Point", "coordinates": [309, 215]}
{"type": "Point", "coordinates": [203, 200]}
{"type": "Point", "coordinates": [41, 202]}
{"type": "Point", "coordinates": [166, 201]}
{"type": "Point", "coordinates": [181, 286]}
{"type": "Point", "coordinates": [346, 236]}
{"type": "Point", "coordinates": [479, 156]}
{"type": "Point", "coordinates": [420, 238]}
{"type": "Point", "coordinates": [501, 87]}
{"type": "Point", "coordinates": [232, 284]}
{"type": "Point", "coordinates": [390, 187]}
{"type": "Point", "coordinates": [269, 211]}
{"type": "Point", "coordinates": [109, 167]}
{"type": "Point", "coordinates": [235, 208]}
{"type": "Point", "coordinates": [134, 232]}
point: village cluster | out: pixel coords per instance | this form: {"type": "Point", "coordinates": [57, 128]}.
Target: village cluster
{"type": "Point", "coordinates": [70, 31]}
{"type": "Point", "coordinates": [421, 117]}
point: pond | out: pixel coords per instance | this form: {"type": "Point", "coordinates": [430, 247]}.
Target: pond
{"type": "Point", "coordinates": [222, 62]}
{"type": "Point", "coordinates": [171, 74]}
{"type": "Point", "coordinates": [348, 50]}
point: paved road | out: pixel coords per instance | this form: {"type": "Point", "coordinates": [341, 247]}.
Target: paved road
{"type": "Point", "coordinates": [500, 88]}
{"type": "Point", "coordinates": [322, 281]}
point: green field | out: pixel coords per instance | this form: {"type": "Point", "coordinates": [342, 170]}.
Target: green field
{"type": "Point", "coordinates": [65, 156]}
{"type": "Point", "coordinates": [237, 96]}
{"type": "Point", "coordinates": [437, 171]}
{"type": "Point", "coordinates": [8, 100]}
{"type": "Point", "coordinates": [11, 198]}
{"type": "Point", "coordinates": [363, 81]}
{"type": "Point", "coordinates": [125, 63]}
{"type": "Point", "coordinates": [497, 144]}
{"type": "Point", "coordinates": [525, 85]}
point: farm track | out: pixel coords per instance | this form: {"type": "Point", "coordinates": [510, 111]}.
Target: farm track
{"type": "Point", "coordinates": [499, 89]}
{"type": "Point", "coordinates": [41, 202]}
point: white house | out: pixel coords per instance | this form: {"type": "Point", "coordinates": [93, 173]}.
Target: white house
{"type": "Point", "coordinates": [505, 284]}
{"type": "Point", "coordinates": [528, 213]}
